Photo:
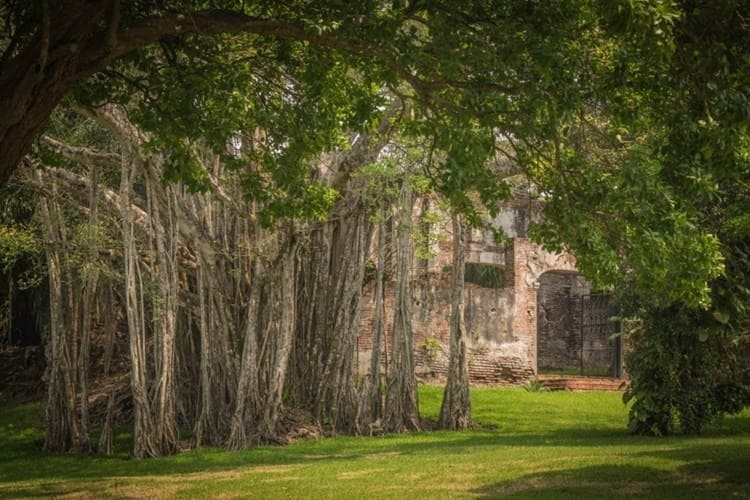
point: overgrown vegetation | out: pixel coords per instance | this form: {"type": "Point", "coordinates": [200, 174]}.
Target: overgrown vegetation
{"type": "Point", "coordinates": [628, 117]}
{"type": "Point", "coordinates": [687, 372]}
{"type": "Point", "coordinates": [527, 445]}
{"type": "Point", "coordinates": [484, 275]}
{"type": "Point", "coordinates": [534, 385]}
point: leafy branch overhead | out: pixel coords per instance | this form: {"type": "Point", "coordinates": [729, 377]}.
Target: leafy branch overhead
{"type": "Point", "coordinates": [629, 116]}
{"type": "Point", "coordinates": [261, 147]}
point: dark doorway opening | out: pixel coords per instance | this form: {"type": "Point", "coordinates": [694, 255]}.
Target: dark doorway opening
{"type": "Point", "coordinates": [576, 330]}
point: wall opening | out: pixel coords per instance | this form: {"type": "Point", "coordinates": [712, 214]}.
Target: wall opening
{"type": "Point", "coordinates": [484, 275]}
{"type": "Point", "coordinates": [576, 330]}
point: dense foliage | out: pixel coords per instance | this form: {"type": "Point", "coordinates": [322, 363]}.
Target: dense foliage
{"type": "Point", "coordinates": [644, 170]}
{"type": "Point", "coordinates": [700, 354]}
{"type": "Point", "coordinates": [613, 107]}
{"type": "Point", "coordinates": [630, 117]}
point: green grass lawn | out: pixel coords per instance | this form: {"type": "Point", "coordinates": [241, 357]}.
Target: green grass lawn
{"type": "Point", "coordinates": [529, 445]}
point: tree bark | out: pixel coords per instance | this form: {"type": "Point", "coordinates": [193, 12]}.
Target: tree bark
{"type": "Point", "coordinates": [283, 308]}
{"type": "Point", "coordinates": [371, 403]}
{"type": "Point", "coordinates": [313, 337]}
{"type": "Point", "coordinates": [402, 399]}
{"type": "Point", "coordinates": [165, 235]}
{"type": "Point", "coordinates": [89, 291]}
{"type": "Point", "coordinates": [143, 445]}
{"type": "Point", "coordinates": [455, 411]}
{"type": "Point", "coordinates": [247, 401]}
{"type": "Point", "coordinates": [60, 409]}
{"type": "Point", "coordinates": [204, 425]}
{"type": "Point", "coordinates": [111, 317]}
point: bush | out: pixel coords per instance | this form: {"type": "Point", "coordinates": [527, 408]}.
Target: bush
{"type": "Point", "coordinates": [686, 370]}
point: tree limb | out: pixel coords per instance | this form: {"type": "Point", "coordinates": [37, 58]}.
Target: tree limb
{"type": "Point", "coordinates": [80, 154]}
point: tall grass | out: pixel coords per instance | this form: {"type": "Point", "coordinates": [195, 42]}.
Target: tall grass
{"type": "Point", "coordinates": [526, 445]}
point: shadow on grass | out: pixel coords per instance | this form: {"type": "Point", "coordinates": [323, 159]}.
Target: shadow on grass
{"type": "Point", "coordinates": [708, 471]}
{"type": "Point", "coordinates": [722, 474]}
{"type": "Point", "coordinates": [24, 460]}
{"type": "Point", "coordinates": [21, 459]}
{"type": "Point", "coordinates": [715, 468]}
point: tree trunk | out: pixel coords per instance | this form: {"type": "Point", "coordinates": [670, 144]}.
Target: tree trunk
{"type": "Point", "coordinates": [59, 429]}
{"type": "Point", "coordinates": [371, 403]}
{"type": "Point", "coordinates": [313, 339]}
{"type": "Point", "coordinates": [402, 400]}
{"type": "Point", "coordinates": [247, 401]}
{"type": "Point", "coordinates": [165, 235]}
{"type": "Point", "coordinates": [222, 282]}
{"type": "Point", "coordinates": [143, 445]}
{"type": "Point", "coordinates": [330, 286]}
{"type": "Point", "coordinates": [205, 300]}
{"type": "Point", "coordinates": [106, 439]}
{"type": "Point", "coordinates": [89, 292]}
{"type": "Point", "coordinates": [111, 316]}
{"type": "Point", "coordinates": [455, 412]}
{"type": "Point", "coordinates": [284, 317]}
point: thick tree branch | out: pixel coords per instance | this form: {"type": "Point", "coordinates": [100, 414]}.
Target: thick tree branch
{"type": "Point", "coordinates": [113, 25]}
{"type": "Point", "coordinates": [80, 154]}
{"type": "Point", "coordinates": [114, 120]}
{"type": "Point", "coordinates": [44, 49]}
{"type": "Point", "coordinates": [29, 93]}
{"type": "Point", "coordinates": [79, 184]}
{"type": "Point", "coordinates": [215, 21]}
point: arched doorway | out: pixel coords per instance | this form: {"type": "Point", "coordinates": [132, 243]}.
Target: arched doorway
{"type": "Point", "coordinates": [576, 333]}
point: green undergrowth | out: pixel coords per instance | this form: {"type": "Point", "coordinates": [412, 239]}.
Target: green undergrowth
{"type": "Point", "coordinates": [525, 445]}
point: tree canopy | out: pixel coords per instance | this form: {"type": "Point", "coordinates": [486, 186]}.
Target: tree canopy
{"type": "Point", "coordinates": [630, 117]}
{"type": "Point", "coordinates": [623, 112]}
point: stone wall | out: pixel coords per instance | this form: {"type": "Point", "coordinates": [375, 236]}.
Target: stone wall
{"type": "Point", "coordinates": [501, 322]}
{"type": "Point", "coordinates": [495, 355]}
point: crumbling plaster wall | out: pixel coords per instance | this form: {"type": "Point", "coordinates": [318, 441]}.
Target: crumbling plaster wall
{"type": "Point", "coordinates": [528, 262]}
{"type": "Point", "coordinates": [501, 322]}
{"type": "Point", "coordinates": [494, 355]}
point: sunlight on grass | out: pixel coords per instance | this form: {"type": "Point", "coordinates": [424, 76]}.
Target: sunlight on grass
{"type": "Point", "coordinates": [526, 445]}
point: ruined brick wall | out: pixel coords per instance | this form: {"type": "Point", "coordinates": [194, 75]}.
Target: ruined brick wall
{"type": "Point", "coordinates": [528, 263]}
{"type": "Point", "coordinates": [501, 322]}
{"type": "Point", "coordinates": [496, 356]}
{"type": "Point", "coordinates": [486, 366]}
{"type": "Point", "coordinates": [514, 220]}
